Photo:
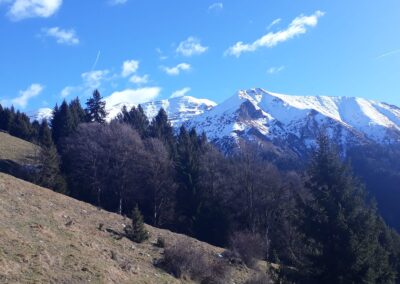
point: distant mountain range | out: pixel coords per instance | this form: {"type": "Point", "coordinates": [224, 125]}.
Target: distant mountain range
{"type": "Point", "coordinates": [296, 121]}
{"type": "Point", "coordinates": [287, 121]}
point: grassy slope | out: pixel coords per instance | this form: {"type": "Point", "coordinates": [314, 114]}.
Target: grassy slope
{"type": "Point", "coordinates": [16, 150]}
{"type": "Point", "coordinates": [48, 237]}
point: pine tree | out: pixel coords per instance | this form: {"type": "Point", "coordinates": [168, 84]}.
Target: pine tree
{"type": "Point", "coordinates": [62, 123]}
{"type": "Point", "coordinates": [341, 228]}
{"type": "Point", "coordinates": [78, 113]}
{"type": "Point", "coordinates": [161, 128]}
{"type": "Point", "coordinates": [136, 118]}
{"type": "Point", "coordinates": [49, 174]}
{"type": "Point", "coordinates": [187, 169]}
{"type": "Point", "coordinates": [96, 108]}
{"type": "Point", "coordinates": [136, 232]}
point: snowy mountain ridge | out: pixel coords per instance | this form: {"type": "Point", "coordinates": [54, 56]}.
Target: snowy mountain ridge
{"type": "Point", "coordinates": [293, 121]}
{"type": "Point", "coordinates": [296, 121]}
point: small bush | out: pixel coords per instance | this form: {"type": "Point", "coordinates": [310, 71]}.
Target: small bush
{"type": "Point", "coordinates": [160, 242]}
{"type": "Point", "coordinates": [248, 247]}
{"type": "Point", "coordinates": [183, 260]}
{"type": "Point", "coordinates": [136, 232]}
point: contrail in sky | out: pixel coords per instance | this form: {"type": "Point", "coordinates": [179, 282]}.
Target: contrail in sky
{"type": "Point", "coordinates": [97, 60]}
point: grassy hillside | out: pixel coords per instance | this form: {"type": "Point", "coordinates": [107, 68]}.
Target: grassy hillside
{"type": "Point", "coordinates": [16, 150]}
{"type": "Point", "coordinates": [48, 237]}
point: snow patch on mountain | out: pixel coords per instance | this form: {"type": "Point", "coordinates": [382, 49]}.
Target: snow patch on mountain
{"type": "Point", "coordinates": [179, 109]}
{"type": "Point", "coordinates": [297, 120]}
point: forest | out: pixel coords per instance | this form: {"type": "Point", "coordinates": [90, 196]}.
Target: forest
{"type": "Point", "coordinates": [320, 223]}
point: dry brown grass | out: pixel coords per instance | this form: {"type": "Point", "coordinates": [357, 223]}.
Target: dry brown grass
{"type": "Point", "coordinates": [46, 237]}
{"type": "Point", "coordinates": [16, 150]}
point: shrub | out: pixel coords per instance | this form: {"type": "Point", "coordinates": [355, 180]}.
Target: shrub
{"type": "Point", "coordinates": [183, 260]}
{"type": "Point", "coordinates": [248, 247]}
{"type": "Point", "coordinates": [136, 232]}
{"type": "Point", "coordinates": [160, 242]}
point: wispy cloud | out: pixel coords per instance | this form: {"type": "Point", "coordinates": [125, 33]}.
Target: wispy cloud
{"type": "Point", "coordinates": [297, 27]}
{"type": "Point", "coordinates": [91, 80]}
{"type": "Point", "coordinates": [176, 70]}
{"type": "Point", "coordinates": [133, 96]}
{"type": "Point", "coordinates": [139, 80]}
{"type": "Point", "coordinates": [274, 23]}
{"type": "Point", "coordinates": [274, 70]}
{"type": "Point", "coordinates": [191, 46]}
{"type": "Point", "coordinates": [129, 67]}
{"type": "Point", "coordinates": [117, 2]}
{"type": "Point", "coordinates": [389, 53]}
{"type": "Point", "coordinates": [25, 95]}
{"type": "Point", "coordinates": [24, 9]}
{"type": "Point", "coordinates": [218, 6]}
{"type": "Point", "coordinates": [180, 93]}
{"type": "Point", "coordinates": [62, 36]}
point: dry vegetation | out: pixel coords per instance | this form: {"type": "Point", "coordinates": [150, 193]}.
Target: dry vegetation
{"type": "Point", "coordinates": [46, 237]}
{"type": "Point", "coordinates": [16, 150]}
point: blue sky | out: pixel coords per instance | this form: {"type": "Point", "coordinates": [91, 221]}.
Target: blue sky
{"type": "Point", "coordinates": [146, 49]}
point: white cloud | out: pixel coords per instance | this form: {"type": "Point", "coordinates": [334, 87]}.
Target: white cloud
{"type": "Point", "coordinates": [22, 100]}
{"type": "Point", "coordinates": [191, 46]}
{"type": "Point", "coordinates": [24, 9]}
{"type": "Point", "coordinates": [297, 27]}
{"type": "Point", "coordinates": [180, 93]}
{"type": "Point", "coordinates": [176, 70]}
{"type": "Point", "coordinates": [133, 96]}
{"type": "Point", "coordinates": [216, 6]}
{"type": "Point", "coordinates": [273, 23]}
{"type": "Point", "coordinates": [68, 37]}
{"type": "Point", "coordinates": [139, 80]}
{"type": "Point", "coordinates": [274, 70]}
{"type": "Point", "coordinates": [129, 67]}
{"type": "Point", "coordinates": [93, 79]}
{"type": "Point", "coordinates": [117, 2]}
{"type": "Point", "coordinates": [67, 91]}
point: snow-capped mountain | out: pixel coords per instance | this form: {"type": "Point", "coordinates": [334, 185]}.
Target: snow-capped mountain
{"type": "Point", "coordinates": [42, 114]}
{"type": "Point", "coordinates": [179, 109]}
{"type": "Point", "coordinates": [295, 121]}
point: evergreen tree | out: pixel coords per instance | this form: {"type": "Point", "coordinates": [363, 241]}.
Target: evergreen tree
{"type": "Point", "coordinates": [161, 128]}
{"type": "Point", "coordinates": [187, 169]}
{"type": "Point", "coordinates": [78, 113]}
{"type": "Point", "coordinates": [21, 126]}
{"type": "Point", "coordinates": [136, 118]}
{"type": "Point", "coordinates": [341, 228]}
{"type": "Point", "coordinates": [96, 108]}
{"type": "Point", "coordinates": [49, 174]}
{"type": "Point", "coordinates": [62, 123]}
{"type": "Point", "coordinates": [136, 232]}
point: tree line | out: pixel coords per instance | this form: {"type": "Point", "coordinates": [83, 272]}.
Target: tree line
{"type": "Point", "coordinates": [320, 223]}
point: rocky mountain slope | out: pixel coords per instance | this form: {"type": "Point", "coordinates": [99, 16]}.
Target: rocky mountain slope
{"type": "Point", "coordinates": [291, 122]}
{"type": "Point", "coordinates": [179, 109]}
{"type": "Point", "coordinates": [47, 237]}
{"type": "Point", "coordinates": [295, 121]}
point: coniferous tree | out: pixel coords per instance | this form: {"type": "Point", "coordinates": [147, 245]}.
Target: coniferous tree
{"type": "Point", "coordinates": [187, 168]}
{"type": "Point", "coordinates": [161, 128]}
{"type": "Point", "coordinates": [341, 228]}
{"type": "Point", "coordinates": [49, 174]}
{"type": "Point", "coordinates": [137, 232]}
{"type": "Point", "coordinates": [136, 118]}
{"type": "Point", "coordinates": [62, 123]}
{"type": "Point", "coordinates": [78, 113]}
{"type": "Point", "coordinates": [96, 108]}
